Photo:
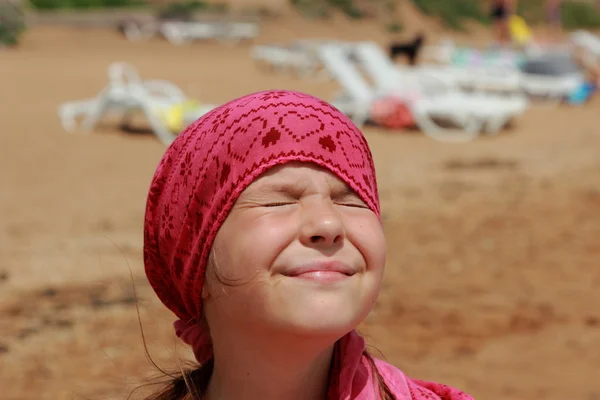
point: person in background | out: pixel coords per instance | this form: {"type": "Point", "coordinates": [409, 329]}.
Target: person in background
{"type": "Point", "coordinates": [554, 17]}
{"type": "Point", "coordinates": [500, 13]}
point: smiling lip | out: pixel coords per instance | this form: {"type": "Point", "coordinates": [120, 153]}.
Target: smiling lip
{"type": "Point", "coordinates": [330, 271]}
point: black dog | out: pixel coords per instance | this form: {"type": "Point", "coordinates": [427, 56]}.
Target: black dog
{"type": "Point", "coordinates": [410, 49]}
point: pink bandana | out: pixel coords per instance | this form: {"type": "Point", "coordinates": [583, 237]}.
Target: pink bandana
{"type": "Point", "coordinates": [352, 377]}
{"type": "Point", "coordinates": [210, 164]}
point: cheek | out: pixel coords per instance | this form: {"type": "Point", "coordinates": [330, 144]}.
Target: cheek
{"type": "Point", "coordinates": [248, 246]}
{"type": "Point", "coordinates": [367, 235]}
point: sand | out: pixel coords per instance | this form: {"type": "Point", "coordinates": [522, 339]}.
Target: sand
{"type": "Point", "coordinates": [493, 270]}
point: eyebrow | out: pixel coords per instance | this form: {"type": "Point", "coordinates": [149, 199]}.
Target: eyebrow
{"type": "Point", "coordinates": [295, 188]}
{"type": "Point", "coordinates": [282, 187]}
{"type": "Point", "coordinates": [346, 190]}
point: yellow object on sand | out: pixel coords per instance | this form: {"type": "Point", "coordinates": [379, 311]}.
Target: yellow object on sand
{"type": "Point", "coordinates": [173, 116]}
{"type": "Point", "coordinates": [519, 30]}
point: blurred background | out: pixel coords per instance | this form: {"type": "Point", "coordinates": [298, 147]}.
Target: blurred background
{"type": "Point", "coordinates": [484, 124]}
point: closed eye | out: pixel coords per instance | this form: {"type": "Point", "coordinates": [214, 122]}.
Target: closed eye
{"type": "Point", "coordinates": [278, 204]}
{"type": "Point", "coordinates": [355, 204]}
{"type": "Point", "coordinates": [350, 199]}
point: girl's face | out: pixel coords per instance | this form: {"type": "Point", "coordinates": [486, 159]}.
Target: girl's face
{"type": "Point", "coordinates": [300, 252]}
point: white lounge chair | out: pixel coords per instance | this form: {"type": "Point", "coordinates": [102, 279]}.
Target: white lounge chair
{"type": "Point", "coordinates": [165, 106]}
{"type": "Point", "coordinates": [356, 96]}
{"type": "Point", "coordinates": [439, 92]}
{"type": "Point", "coordinates": [386, 73]}
{"type": "Point", "coordinates": [446, 52]}
{"type": "Point", "coordinates": [501, 70]}
{"type": "Point", "coordinates": [471, 114]}
{"type": "Point", "coordinates": [241, 30]}
{"type": "Point", "coordinates": [587, 41]}
{"type": "Point", "coordinates": [551, 77]}
{"type": "Point", "coordinates": [300, 56]}
{"type": "Point", "coordinates": [287, 58]}
{"type": "Point", "coordinates": [181, 32]}
{"type": "Point", "coordinates": [516, 83]}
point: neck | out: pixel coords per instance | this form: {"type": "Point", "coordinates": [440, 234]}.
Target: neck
{"type": "Point", "coordinates": [292, 368]}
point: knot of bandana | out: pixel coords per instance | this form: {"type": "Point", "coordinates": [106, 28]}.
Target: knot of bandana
{"type": "Point", "coordinates": [205, 169]}
{"type": "Point", "coordinates": [197, 336]}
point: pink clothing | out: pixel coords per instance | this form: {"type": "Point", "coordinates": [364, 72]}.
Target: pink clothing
{"type": "Point", "coordinates": [352, 377]}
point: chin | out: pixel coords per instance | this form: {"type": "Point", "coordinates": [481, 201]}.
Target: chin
{"type": "Point", "coordinates": [324, 315]}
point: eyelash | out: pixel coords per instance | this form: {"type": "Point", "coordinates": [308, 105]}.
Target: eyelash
{"type": "Point", "coordinates": [283, 203]}
{"type": "Point", "coordinates": [355, 205]}
{"type": "Point", "coordinates": [279, 204]}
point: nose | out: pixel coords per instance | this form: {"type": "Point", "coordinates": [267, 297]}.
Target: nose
{"type": "Point", "coordinates": [322, 226]}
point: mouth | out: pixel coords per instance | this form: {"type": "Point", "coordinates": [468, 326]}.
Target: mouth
{"type": "Point", "coordinates": [322, 271]}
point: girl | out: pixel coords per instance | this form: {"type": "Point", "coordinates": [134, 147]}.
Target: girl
{"type": "Point", "coordinates": [262, 234]}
